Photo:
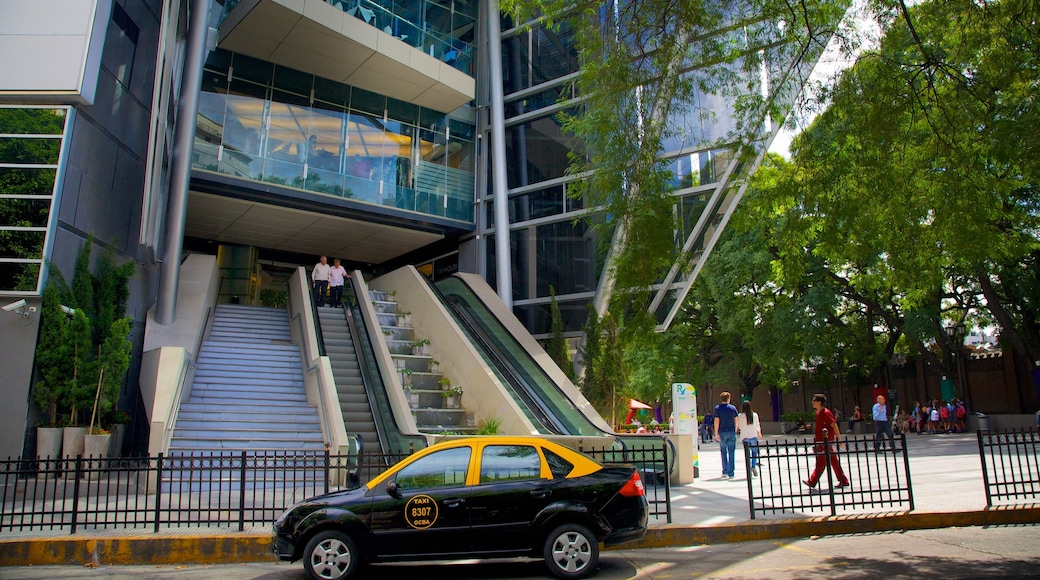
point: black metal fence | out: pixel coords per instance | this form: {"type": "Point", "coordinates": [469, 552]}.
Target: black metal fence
{"type": "Point", "coordinates": [654, 462]}
{"type": "Point", "coordinates": [1010, 468]}
{"type": "Point", "coordinates": [879, 479]}
{"type": "Point", "coordinates": [233, 489]}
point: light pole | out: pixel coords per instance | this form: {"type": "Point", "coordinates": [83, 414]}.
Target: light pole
{"type": "Point", "coordinates": [956, 333]}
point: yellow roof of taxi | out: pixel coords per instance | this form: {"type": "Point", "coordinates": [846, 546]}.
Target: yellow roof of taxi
{"type": "Point", "coordinates": [584, 465]}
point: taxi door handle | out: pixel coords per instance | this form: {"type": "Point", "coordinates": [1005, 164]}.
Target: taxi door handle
{"type": "Point", "coordinates": [454, 502]}
{"type": "Point", "coordinates": [539, 493]}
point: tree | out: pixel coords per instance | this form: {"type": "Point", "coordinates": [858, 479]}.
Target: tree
{"type": "Point", "coordinates": [558, 348]}
{"type": "Point", "coordinates": [75, 353]}
{"type": "Point", "coordinates": [906, 185]}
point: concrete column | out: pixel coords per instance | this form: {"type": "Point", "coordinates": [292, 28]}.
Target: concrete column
{"type": "Point", "coordinates": [503, 264]}
{"type": "Point", "coordinates": [180, 164]}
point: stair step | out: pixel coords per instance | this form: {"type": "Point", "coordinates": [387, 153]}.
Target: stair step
{"type": "Point", "coordinates": [215, 433]}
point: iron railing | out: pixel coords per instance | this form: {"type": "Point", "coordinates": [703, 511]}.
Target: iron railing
{"type": "Point", "coordinates": [654, 463]}
{"type": "Point", "coordinates": [231, 489]}
{"type": "Point", "coordinates": [879, 478]}
{"type": "Point", "coordinates": [1010, 468]}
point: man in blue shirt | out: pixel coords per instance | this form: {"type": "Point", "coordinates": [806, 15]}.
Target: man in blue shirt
{"type": "Point", "coordinates": [726, 433]}
{"type": "Point", "coordinates": [882, 426]}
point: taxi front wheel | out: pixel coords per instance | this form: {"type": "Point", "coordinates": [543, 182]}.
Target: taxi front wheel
{"type": "Point", "coordinates": [571, 551]}
{"type": "Point", "coordinates": [331, 555]}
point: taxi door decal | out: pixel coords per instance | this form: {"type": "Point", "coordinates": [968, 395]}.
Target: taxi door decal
{"type": "Point", "coordinates": [420, 512]}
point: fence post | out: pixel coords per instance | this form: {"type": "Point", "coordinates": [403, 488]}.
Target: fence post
{"type": "Point", "coordinates": [327, 461]}
{"type": "Point", "coordinates": [158, 490]}
{"type": "Point", "coordinates": [747, 469]}
{"type": "Point", "coordinates": [828, 468]}
{"type": "Point", "coordinates": [242, 493]}
{"type": "Point", "coordinates": [906, 467]}
{"type": "Point", "coordinates": [75, 492]}
{"type": "Point", "coordinates": [985, 472]}
{"type": "Point", "coordinates": [667, 480]}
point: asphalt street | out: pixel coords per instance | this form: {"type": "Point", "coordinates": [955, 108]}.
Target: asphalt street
{"type": "Point", "coordinates": [950, 553]}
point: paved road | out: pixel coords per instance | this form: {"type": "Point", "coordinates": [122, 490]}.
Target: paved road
{"type": "Point", "coordinates": [952, 553]}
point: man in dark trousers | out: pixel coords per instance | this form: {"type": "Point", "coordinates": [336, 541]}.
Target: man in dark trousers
{"type": "Point", "coordinates": [882, 425]}
{"type": "Point", "coordinates": [726, 433]}
{"type": "Point", "coordinates": [826, 431]}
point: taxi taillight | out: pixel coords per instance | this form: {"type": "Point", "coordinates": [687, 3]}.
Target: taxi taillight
{"type": "Point", "coordinates": [633, 487]}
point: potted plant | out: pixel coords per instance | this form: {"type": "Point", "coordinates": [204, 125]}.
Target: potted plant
{"type": "Point", "coordinates": [452, 397]}
{"type": "Point", "coordinates": [490, 427]}
{"type": "Point", "coordinates": [421, 347]}
{"type": "Point", "coordinates": [444, 383]}
{"type": "Point", "coordinates": [404, 318]}
{"type": "Point", "coordinates": [435, 366]}
{"type": "Point", "coordinates": [406, 376]}
{"type": "Point", "coordinates": [413, 397]}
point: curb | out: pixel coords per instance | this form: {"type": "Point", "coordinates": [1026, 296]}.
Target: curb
{"type": "Point", "coordinates": [239, 548]}
{"type": "Point", "coordinates": [670, 535]}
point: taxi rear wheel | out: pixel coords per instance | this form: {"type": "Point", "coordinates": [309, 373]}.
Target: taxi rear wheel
{"type": "Point", "coordinates": [331, 555]}
{"type": "Point", "coordinates": [571, 551]}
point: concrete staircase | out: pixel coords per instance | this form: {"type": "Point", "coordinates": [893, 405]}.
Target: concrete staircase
{"type": "Point", "coordinates": [248, 393]}
{"type": "Point", "coordinates": [350, 386]}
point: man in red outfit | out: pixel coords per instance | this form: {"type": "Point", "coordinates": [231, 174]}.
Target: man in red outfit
{"type": "Point", "coordinates": [826, 431]}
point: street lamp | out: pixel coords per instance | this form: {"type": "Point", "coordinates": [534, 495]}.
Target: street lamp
{"type": "Point", "coordinates": [956, 333]}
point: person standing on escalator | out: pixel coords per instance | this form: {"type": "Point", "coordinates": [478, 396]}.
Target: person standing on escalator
{"type": "Point", "coordinates": [337, 275]}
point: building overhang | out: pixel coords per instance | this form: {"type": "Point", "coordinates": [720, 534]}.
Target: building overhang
{"type": "Point", "coordinates": [315, 37]}
{"type": "Point", "coordinates": [229, 210]}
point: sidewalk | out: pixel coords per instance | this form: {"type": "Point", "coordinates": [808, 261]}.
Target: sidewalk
{"type": "Point", "coordinates": [946, 477]}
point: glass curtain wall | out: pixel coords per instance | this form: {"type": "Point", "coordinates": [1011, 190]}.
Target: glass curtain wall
{"type": "Point", "coordinates": [548, 246]}
{"type": "Point", "coordinates": [30, 149]}
{"type": "Point", "coordinates": [265, 122]}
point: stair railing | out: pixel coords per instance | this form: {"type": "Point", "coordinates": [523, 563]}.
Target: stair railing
{"type": "Point", "coordinates": [318, 381]}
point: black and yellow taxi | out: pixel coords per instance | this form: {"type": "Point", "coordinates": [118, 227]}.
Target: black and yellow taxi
{"type": "Point", "coordinates": [477, 497]}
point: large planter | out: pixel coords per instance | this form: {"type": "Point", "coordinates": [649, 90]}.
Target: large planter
{"type": "Point", "coordinates": [73, 440]}
{"type": "Point", "coordinates": [96, 446]}
{"type": "Point", "coordinates": [115, 445]}
{"type": "Point", "coordinates": [48, 449]}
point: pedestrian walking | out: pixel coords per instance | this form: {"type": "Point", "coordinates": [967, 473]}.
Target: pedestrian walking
{"type": "Point", "coordinates": [882, 425]}
{"type": "Point", "coordinates": [826, 433]}
{"type": "Point", "coordinates": [726, 433]}
{"type": "Point", "coordinates": [320, 280]}
{"type": "Point", "coordinates": [750, 430]}
{"type": "Point", "coordinates": [337, 275]}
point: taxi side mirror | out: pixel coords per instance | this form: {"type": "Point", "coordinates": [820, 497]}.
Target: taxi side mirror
{"type": "Point", "coordinates": [393, 490]}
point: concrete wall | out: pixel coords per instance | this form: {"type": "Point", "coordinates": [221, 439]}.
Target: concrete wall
{"type": "Point", "coordinates": [18, 335]}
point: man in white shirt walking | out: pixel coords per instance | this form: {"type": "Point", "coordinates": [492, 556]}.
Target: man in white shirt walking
{"type": "Point", "coordinates": [882, 426]}
{"type": "Point", "coordinates": [320, 280]}
{"type": "Point", "coordinates": [337, 275]}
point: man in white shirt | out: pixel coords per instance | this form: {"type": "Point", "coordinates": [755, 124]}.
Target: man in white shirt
{"type": "Point", "coordinates": [337, 274]}
{"type": "Point", "coordinates": [882, 426]}
{"type": "Point", "coordinates": [320, 280]}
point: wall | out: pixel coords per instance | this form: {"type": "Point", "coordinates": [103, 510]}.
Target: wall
{"type": "Point", "coordinates": [17, 343]}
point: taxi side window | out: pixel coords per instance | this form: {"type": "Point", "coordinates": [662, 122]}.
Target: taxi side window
{"type": "Point", "coordinates": [509, 463]}
{"type": "Point", "coordinates": [559, 466]}
{"type": "Point", "coordinates": [441, 469]}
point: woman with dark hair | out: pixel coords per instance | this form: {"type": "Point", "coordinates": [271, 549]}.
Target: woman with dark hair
{"type": "Point", "coordinates": [750, 429]}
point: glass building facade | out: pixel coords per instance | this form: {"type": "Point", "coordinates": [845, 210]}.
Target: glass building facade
{"type": "Point", "coordinates": [268, 123]}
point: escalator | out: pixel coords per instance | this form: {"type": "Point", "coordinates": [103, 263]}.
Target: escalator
{"type": "Point", "coordinates": [516, 365]}
{"type": "Point", "coordinates": [529, 383]}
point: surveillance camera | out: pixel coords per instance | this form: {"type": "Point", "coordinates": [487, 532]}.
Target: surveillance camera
{"type": "Point", "coordinates": [15, 305]}
{"type": "Point", "coordinates": [67, 310]}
